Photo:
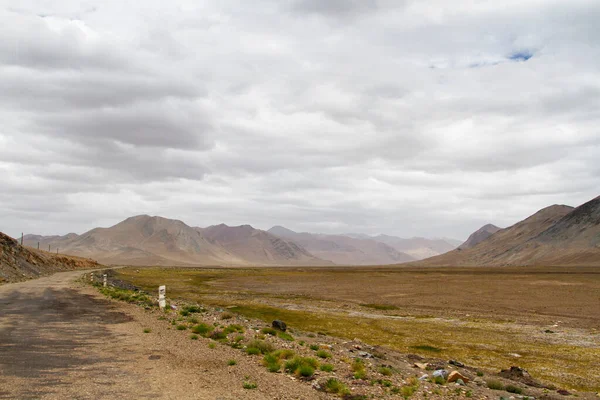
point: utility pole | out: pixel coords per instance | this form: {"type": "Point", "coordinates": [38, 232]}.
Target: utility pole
{"type": "Point", "coordinates": [38, 245]}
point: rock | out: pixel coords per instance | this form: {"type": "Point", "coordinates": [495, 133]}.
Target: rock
{"type": "Point", "coordinates": [520, 375]}
{"type": "Point", "coordinates": [563, 392]}
{"type": "Point", "coordinates": [420, 365]}
{"type": "Point", "coordinates": [277, 324]}
{"type": "Point", "coordinates": [364, 354]}
{"type": "Point", "coordinates": [460, 382]}
{"type": "Point", "coordinates": [455, 375]}
{"type": "Point", "coordinates": [424, 377]}
{"type": "Point", "coordinates": [457, 363]}
{"type": "Point", "coordinates": [440, 372]}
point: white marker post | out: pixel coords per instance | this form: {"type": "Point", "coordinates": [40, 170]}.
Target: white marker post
{"type": "Point", "coordinates": [91, 277]}
{"type": "Point", "coordinates": [105, 280]}
{"type": "Point", "coordinates": [162, 303]}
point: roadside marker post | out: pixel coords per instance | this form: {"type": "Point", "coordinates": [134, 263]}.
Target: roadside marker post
{"type": "Point", "coordinates": [105, 280]}
{"type": "Point", "coordinates": [162, 303]}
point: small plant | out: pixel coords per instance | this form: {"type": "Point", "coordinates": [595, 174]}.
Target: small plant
{"type": "Point", "coordinates": [272, 363]}
{"type": "Point", "coordinates": [332, 385]}
{"type": "Point", "coordinates": [385, 371]}
{"type": "Point", "coordinates": [305, 370]}
{"type": "Point", "coordinates": [226, 315]}
{"type": "Point", "coordinates": [327, 368]}
{"type": "Point", "coordinates": [252, 351]}
{"type": "Point", "coordinates": [323, 354]}
{"type": "Point", "coordinates": [479, 373]}
{"type": "Point", "coordinates": [181, 327]}
{"type": "Point", "coordinates": [439, 380]}
{"type": "Point", "coordinates": [231, 362]}
{"type": "Point", "coordinates": [212, 345]}
{"type": "Point", "coordinates": [513, 389]}
{"type": "Point", "coordinates": [314, 347]}
{"type": "Point", "coordinates": [147, 330]}
{"type": "Point", "coordinates": [408, 391]}
{"type": "Point", "coordinates": [218, 335]}
{"type": "Point", "coordinates": [194, 337]}
{"type": "Point", "coordinates": [358, 366]}
{"type": "Point", "coordinates": [233, 328]}
{"type": "Point", "coordinates": [269, 331]}
{"type": "Point", "coordinates": [301, 343]}
{"type": "Point", "coordinates": [249, 385]}
{"type": "Point", "coordinates": [202, 329]}
{"type": "Point", "coordinates": [303, 366]}
{"type": "Point", "coordinates": [285, 336]}
{"type": "Point", "coordinates": [495, 385]}
{"type": "Point", "coordinates": [262, 347]}
{"type": "Point", "coordinates": [469, 393]}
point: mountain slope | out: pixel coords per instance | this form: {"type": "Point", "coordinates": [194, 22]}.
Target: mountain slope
{"type": "Point", "coordinates": [19, 263]}
{"type": "Point", "coordinates": [259, 247]}
{"type": "Point", "coordinates": [344, 250]}
{"type": "Point", "coordinates": [479, 236]}
{"type": "Point", "coordinates": [556, 235]}
{"type": "Point", "coordinates": [145, 240]}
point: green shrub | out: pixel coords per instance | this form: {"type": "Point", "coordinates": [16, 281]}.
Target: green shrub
{"type": "Point", "coordinates": [314, 347]}
{"type": "Point", "coordinates": [301, 366]}
{"type": "Point", "coordinates": [479, 373]}
{"type": "Point", "coordinates": [269, 331]}
{"type": "Point", "coordinates": [262, 346]}
{"type": "Point", "coordinates": [194, 337]}
{"type": "Point", "coordinates": [285, 336]}
{"type": "Point", "coordinates": [358, 366]}
{"type": "Point", "coordinates": [327, 367]}
{"type": "Point", "coordinates": [283, 354]}
{"type": "Point", "coordinates": [439, 380]}
{"type": "Point", "coordinates": [234, 328]}
{"type": "Point", "coordinates": [305, 370]}
{"type": "Point", "coordinates": [181, 327]}
{"type": "Point", "coordinates": [252, 351]}
{"type": "Point", "coordinates": [231, 362]}
{"type": "Point", "coordinates": [147, 330]}
{"type": "Point", "coordinates": [408, 391]}
{"type": "Point", "coordinates": [332, 385]}
{"type": "Point", "coordinates": [202, 329]}
{"type": "Point", "coordinates": [212, 345]}
{"type": "Point", "coordinates": [385, 371]}
{"type": "Point", "coordinates": [495, 385]}
{"type": "Point", "coordinates": [249, 385]}
{"type": "Point", "coordinates": [513, 389]}
{"type": "Point", "coordinates": [272, 362]}
{"type": "Point", "coordinates": [323, 354]}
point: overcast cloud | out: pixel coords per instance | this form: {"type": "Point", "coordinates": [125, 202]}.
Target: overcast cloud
{"type": "Point", "coordinates": [409, 118]}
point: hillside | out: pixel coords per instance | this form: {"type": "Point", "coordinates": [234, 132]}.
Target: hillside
{"type": "Point", "coordinates": [344, 250]}
{"type": "Point", "coordinates": [18, 263]}
{"type": "Point", "coordinates": [556, 235]}
{"type": "Point", "coordinates": [259, 247]}
{"type": "Point", "coordinates": [479, 236]}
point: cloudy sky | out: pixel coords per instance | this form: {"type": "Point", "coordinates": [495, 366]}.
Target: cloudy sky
{"type": "Point", "coordinates": [413, 118]}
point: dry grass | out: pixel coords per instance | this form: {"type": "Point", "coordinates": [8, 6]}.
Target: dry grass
{"type": "Point", "coordinates": [484, 339]}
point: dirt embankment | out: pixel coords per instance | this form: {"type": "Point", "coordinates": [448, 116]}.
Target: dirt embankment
{"type": "Point", "coordinates": [19, 263]}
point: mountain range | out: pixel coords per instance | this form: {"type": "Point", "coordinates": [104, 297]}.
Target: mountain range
{"type": "Point", "coordinates": [146, 240]}
{"type": "Point", "coordinates": [555, 235]}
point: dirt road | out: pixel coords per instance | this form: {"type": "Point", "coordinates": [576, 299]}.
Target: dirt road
{"type": "Point", "coordinates": [62, 340]}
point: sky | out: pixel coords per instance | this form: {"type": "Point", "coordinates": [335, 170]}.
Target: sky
{"type": "Point", "coordinates": [403, 117]}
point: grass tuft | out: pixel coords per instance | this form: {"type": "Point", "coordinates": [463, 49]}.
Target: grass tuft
{"type": "Point", "coordinates": [333, 385]}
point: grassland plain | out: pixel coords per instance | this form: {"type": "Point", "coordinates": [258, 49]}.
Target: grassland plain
{"type": "Point", "coordinates": [546, 320]}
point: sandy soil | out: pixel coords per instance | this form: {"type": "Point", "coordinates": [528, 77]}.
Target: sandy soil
{"type": "Point", "coordinates": [61, 340]}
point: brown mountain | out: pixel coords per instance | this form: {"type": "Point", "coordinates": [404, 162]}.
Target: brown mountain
{"type": "Point", "coordinates": [344, 250]}
{"type": "Point", "coordinates": [256, 246]}
{"type": "Point", "coordinates": [479, 236]}
{"type": "Point", "coordinates": [556, 235]}
{"type": "Point", "coordinates": [145, 240]}
{"type": "Point", "coordinates": [19, 263]}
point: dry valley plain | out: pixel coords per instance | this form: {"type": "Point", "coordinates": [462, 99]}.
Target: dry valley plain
{"type": "Point", "coordinates": [543, 319]}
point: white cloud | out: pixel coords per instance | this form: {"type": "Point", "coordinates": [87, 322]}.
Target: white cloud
{"type": "Point", "coordinates": [406, 118]}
